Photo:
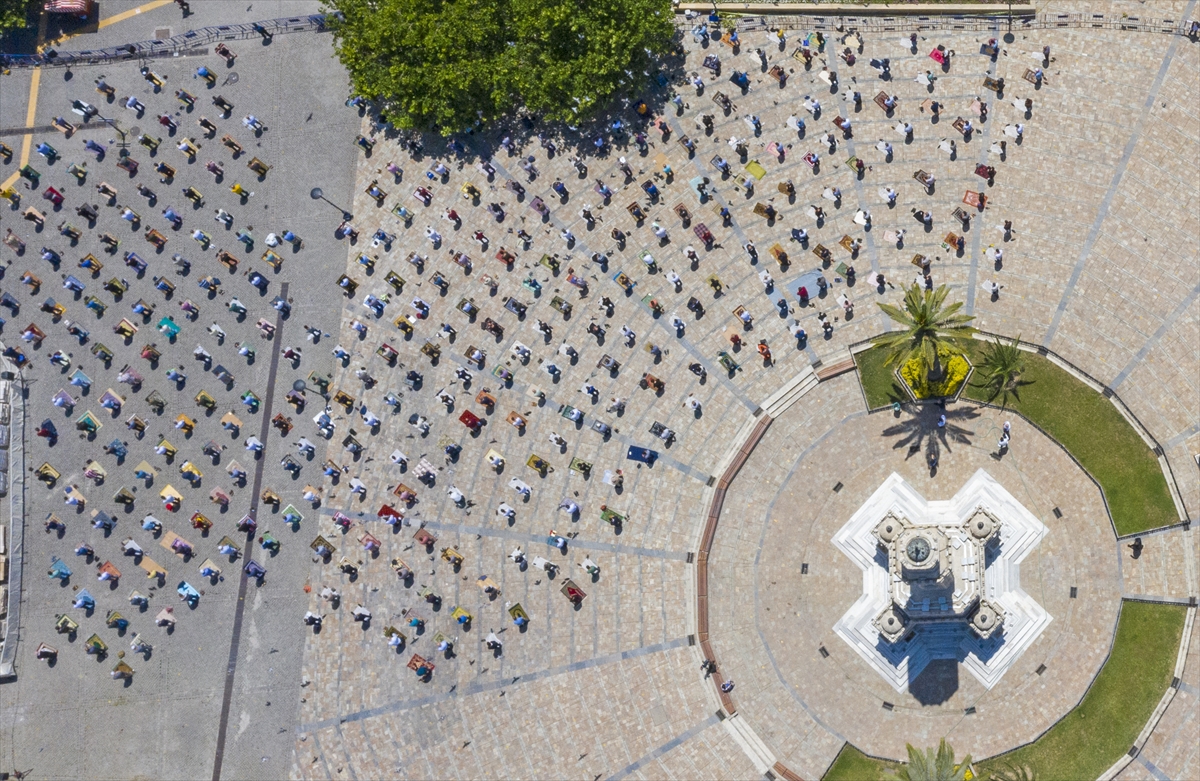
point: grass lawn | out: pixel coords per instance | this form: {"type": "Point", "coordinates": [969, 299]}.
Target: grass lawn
{"type": "Point", "coordinates": [1082, 421]}
{"type": "Point", "coordinates": [853, 765]}
{"type": "Point", "coordinates": [1089, 739]}
{"type": "Point", "coordinates": [1088, 425]}
{"type": "Point", "coordinates": [879, 382]}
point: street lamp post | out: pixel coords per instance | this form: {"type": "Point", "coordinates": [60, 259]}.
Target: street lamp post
{"type": "Point", "coordinates": [124, 143]}
{"type": "Point", "coordinates": [317, 194]}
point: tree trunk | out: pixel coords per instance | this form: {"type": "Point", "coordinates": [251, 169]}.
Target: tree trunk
{"type": "Point", "coordinates": [936, 371]}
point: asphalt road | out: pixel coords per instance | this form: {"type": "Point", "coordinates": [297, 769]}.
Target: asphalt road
{"type": "Point", "coordinates": [164, 723]}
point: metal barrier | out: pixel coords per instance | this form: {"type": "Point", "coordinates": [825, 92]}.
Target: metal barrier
{"type": "Point", "coordinates": [867, 24]}
{"type": "Point", "coordinates": [168, 46]}
{"type": "Point", "coordinates": [982, 23]}
{"type": "Point", "coordinates": [14, 389]}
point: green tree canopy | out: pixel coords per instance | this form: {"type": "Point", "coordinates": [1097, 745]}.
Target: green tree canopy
{"type": "Point", "coordinates": [927, 323]}
{"type": "Point", "coordinates": [13, 14]}
{"type": "Point", "coordinates": [446, 64]}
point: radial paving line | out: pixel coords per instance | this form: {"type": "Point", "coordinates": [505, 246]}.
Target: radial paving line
{"type": "Point", "coordinates": [627, 439]}
{"type": "Point", "coordinates": [244, 580]}
{"type": "Point", "coordinates": [977, 239]}
{"type": "Point", "coordinates": [859, 187]}
{"type": "Point", "coordinates": [1152, 769]}
{"type": "Point", "coordinates": [1183, 436]}
{"type": "Point", "coordinates": [741, 236]}
{"type": "Point", "coordinates": [1152, 342]}
{"type": "Point", "coordinates": [673, 743]}
{"type": "Point", "coordinates": [1102, 212]}
{"type": "Point", "coordinates": [724, 380]}
{"type": "Point", "coordinates": [721, 375]}
{"type": "Point", "coordinates": [512, 534]}
{"type": "Point", "coordinates": [859, 190]}
{"type": "Point", "coordinates": [479, 686]}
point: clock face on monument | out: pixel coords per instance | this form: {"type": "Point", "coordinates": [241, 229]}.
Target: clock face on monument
{"type": "Point", "coordinates": [918, 549]}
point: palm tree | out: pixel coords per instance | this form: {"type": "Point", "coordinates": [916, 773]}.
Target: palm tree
{"type": "Point", "coordinates": [999, 369]}
{"type": "Point", "coordinates": [1011, 772]}
{"type": "Point", "coordinates": [927, 324]}
{"type": "Point", "coordinates": [927, 766]}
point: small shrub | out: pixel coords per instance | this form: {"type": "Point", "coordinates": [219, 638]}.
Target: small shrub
{"type": "Point", "coordinates": [954, 371]}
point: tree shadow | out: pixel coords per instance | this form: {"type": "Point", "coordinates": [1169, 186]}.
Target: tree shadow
{"type": "Point", "coordinates": [559, 138]}
{"type": "Point", "coordinates": [920, 432]}
{"type": "Point", "coordinates": [1003, 391]}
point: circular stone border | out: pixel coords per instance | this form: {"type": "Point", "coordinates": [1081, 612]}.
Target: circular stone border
{"type": "Point", "coordinates": [789, 394]}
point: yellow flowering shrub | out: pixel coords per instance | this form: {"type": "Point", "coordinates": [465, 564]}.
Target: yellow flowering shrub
{"type": "Point", "coordinates": [954, 371]}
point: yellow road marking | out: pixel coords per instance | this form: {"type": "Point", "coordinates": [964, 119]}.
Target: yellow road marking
{"type": "Point", "coordinates": [36, 78]}
{"type": "Point", "coordinates": [134, 12]}
{"type": "Point", "coordinates": [114, 19]}
{"type": "Point", "coordinates": [35, 81]}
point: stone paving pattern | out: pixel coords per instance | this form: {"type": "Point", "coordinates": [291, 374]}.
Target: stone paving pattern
{"type": "Point", "coordinates": [826, 440]}
{"type": "Point", "coordinates": [614, 688]}
{"type": "Point", "coordinates": [1165, 567]}
{"type": "Point", "coordinates": [1052, 217]}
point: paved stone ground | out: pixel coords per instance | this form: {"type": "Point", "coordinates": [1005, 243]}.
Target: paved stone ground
{"type": "Point", "coordinates": [826, 440]}
{"type": "Point", "coordinates": [613, 688]}
{"type": "Point", "coordinates": [1029, 273]}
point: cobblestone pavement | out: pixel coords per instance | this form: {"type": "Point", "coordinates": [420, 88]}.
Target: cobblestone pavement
{"type": "Point", "coordinates": [1103, 273]}
{"type": "Point", "coordinates": [799, 585]}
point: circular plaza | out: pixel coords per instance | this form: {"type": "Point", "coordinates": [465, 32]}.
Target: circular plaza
{"type": "Point", "coordinates": [781, 586]}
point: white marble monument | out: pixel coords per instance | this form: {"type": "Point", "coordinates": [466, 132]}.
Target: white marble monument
{"type": "Point", "coordinates": [941, 580]}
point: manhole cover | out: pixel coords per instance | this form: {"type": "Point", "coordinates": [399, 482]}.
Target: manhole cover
{"type": "Point", "coordinates": [230, 79]}
{"type": "Point", "coordinates": [162, 33]}
{"type": "Point", "coordinates": [135, 131]}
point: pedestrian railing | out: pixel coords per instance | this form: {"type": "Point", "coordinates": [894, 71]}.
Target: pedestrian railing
{"type": "Point", "coordinates": [168, 47]}
{"type": "Point", "coordinates": [955, 23]}
{"type": "Point", "coordinates": [193, 39]}
{"type": "Point", "coordinates": [12, 394]}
